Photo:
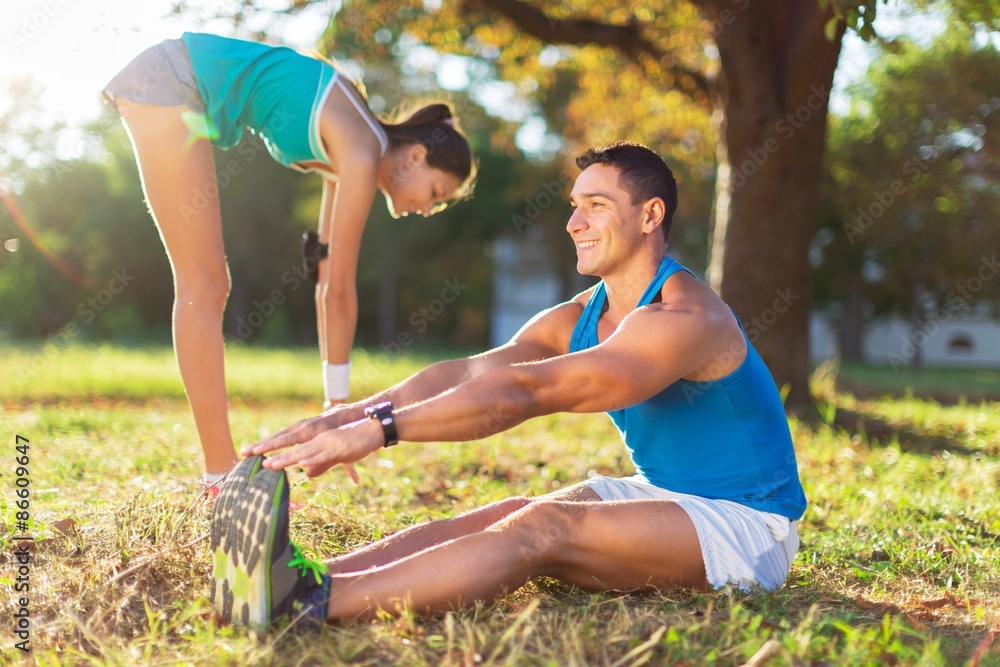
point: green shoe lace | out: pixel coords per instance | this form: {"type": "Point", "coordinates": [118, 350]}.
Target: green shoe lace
{"type": "Point", "coordinates": [305, 565]}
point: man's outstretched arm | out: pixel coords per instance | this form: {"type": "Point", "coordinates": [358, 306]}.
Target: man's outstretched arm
{"type": "Point", "coordinates": [545, 336]}
{"type": "Point", "coordinates": [652, 348]}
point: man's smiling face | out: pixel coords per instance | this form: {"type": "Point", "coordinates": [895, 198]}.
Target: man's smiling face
{"type": "Point", "coordinates": [605, 226]}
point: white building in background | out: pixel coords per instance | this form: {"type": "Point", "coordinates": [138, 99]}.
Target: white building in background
{"type": "Point", "coordinates": [967, 340]}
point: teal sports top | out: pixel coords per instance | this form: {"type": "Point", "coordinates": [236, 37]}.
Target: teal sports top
{"type": "Point", "coordinates": [276, 92]}
{"type": "Point", "coordinates": [723, 439]}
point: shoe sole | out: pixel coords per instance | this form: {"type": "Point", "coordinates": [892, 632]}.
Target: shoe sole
{"type": "Point", "coordinates": [253, 534]}
{"type": "Point", "coordinates": [222, 542]}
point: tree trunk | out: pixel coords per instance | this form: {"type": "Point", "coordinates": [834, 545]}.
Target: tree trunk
{"type": "Point", "coordinates": [777, 70]}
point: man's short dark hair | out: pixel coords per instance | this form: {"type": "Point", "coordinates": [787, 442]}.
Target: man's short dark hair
{"type": "Point", "coordinates": [641, 172]}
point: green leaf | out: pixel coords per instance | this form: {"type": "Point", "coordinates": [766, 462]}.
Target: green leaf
{"type": "Point", "coordinates": [830, 28]}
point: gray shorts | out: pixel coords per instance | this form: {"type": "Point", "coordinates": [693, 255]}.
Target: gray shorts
{"type": "Point", "coordinates": [161, 75]}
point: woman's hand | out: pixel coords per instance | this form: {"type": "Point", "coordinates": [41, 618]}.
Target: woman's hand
{"type": "Point", "coordinates": [345, 444]}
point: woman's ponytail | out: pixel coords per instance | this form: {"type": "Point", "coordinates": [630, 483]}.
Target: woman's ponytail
{"type": "Point", "coordinates": [434, 126]}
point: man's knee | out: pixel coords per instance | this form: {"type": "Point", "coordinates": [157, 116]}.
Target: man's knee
{"type": "Point", "coordinates": [500, 510]}
{"type": "Point", "coordinates": [543, 528]}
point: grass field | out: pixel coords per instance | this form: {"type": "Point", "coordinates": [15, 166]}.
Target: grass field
{"type": "Point", "coordinates": [944, 384]}
{"type": "Point", "coordinates": [899, 561]}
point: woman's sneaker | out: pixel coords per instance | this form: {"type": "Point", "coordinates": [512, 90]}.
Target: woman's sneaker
{"type": "Point", "coordinates": [213, 483]}
{"type": "Point", "coordinates": [265, 576]}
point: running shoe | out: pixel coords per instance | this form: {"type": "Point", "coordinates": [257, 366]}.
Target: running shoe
{"type": "Point", "coordinates": [229, 489]}
{"type": "Point", "coordinates": [265, 575]}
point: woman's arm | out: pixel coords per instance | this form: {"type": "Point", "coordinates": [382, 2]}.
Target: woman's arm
{"type": "Point", "coordinates": [345, 209]}
{"type": "Point", "coordinates": [325, 229]}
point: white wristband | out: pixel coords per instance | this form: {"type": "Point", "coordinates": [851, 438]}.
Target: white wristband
{"type": "Point", "coordinates": [336, 380]}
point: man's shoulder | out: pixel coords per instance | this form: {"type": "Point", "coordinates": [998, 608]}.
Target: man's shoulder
{"type": "Point", "coordinates": [718, 326]}
{"type": "Point", "coordinates": [684, 290]}
{"type": "Point", "coordinates": [553, 328]}
{"type": "Point", "coordinates": [582, 298]}
{"type": "Point", "coordinates": [562, 318]}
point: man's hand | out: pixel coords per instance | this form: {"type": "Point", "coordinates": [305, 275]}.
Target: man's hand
{"type": "Point", "coordinates": [345, 445]}
{"type": "Point", "coordinates": [303, 431]}
{"type": "Point", "coordinates": [306, 430]}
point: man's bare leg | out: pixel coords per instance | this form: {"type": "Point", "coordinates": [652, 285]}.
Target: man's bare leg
{"type": "Point", "coordinates": [426, 535]}
{"type": "Point", "coordinates": [619, 545]}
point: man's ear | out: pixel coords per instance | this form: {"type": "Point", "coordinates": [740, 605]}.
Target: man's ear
{"type": "Point", "coordinates": [653, 212]}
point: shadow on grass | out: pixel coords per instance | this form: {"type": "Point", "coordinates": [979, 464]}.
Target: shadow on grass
{"type": "Point", "coordinates": [880, 432]}
{"type": "Point", "coordinates": [947, 386]}
{"type": "Point", "coordinates": [944, 397]}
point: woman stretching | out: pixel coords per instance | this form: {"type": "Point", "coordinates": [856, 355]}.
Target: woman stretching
{"type": "Point", "coordinates": [179, 97]}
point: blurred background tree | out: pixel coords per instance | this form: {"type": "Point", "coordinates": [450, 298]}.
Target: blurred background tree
{"type": "Point", "coordinates": [914, 187]}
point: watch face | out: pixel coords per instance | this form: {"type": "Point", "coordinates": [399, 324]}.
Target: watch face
{"type": "Point", "coordinates": [378, 409]}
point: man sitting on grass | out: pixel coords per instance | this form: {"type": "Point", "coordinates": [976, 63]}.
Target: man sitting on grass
{"type": "Point", "coordinates": [716, 492]}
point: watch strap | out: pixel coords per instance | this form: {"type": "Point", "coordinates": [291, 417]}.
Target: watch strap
{"type": "Point", "coordinates": [382, 412]}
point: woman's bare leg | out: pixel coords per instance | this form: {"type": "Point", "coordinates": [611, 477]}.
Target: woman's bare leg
{"type": "Point", "coordinates": [178, 178]}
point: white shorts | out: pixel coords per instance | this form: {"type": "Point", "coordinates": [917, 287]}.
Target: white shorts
{"type": "Point", "coordinates": [740, 545]}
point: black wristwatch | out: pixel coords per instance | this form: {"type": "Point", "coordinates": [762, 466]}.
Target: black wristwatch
{"type": "Point", "coordinates": [383, 413]}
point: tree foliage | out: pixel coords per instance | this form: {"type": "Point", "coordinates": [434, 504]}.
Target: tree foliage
{"type": "Point", "coordinates": [588, 92]}
{"type": "Point", "coordinates": [915, 174]}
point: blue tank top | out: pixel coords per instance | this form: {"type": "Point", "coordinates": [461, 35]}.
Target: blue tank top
{"type": "Point", "coordinates": [275, 91]}
{"type": "Point", "coordinates": [723, 439]}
